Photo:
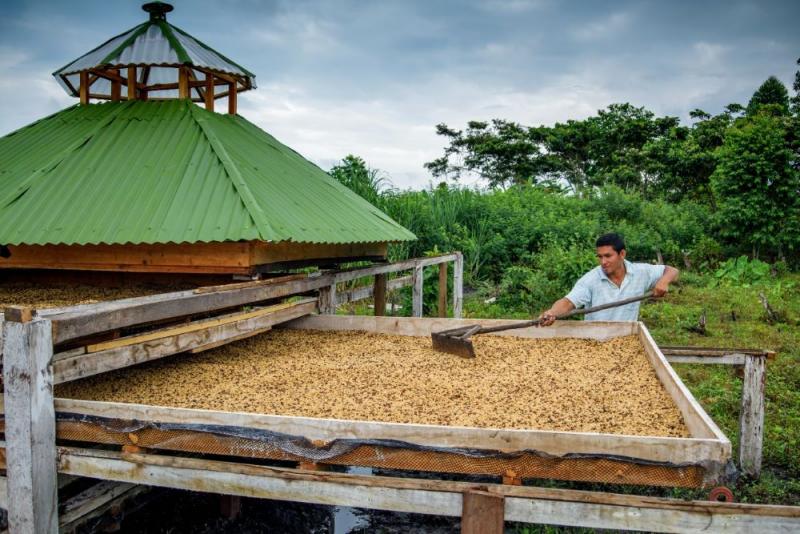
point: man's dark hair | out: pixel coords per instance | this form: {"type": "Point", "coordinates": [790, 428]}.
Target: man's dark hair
{"type": "Point", "coordinates": [611, 240]}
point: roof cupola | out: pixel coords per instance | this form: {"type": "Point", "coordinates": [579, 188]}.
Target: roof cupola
{"type": "Point", "coordinates": [155, 61]}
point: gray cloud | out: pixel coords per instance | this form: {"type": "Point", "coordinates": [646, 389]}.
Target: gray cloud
{"type": "Point", "coordinates": [373, 78]}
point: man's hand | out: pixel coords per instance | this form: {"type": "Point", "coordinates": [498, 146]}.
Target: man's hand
{"type": "Point", "coordinates": [661, 288]}
{"type": "Point", "coordinates": [547, 318]}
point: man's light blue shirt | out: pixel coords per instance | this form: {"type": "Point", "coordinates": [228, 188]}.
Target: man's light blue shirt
{"type": "Point", "coordinates": [594, 288]}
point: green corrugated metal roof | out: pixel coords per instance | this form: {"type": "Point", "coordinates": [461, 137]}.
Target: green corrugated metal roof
{"type": "Point", "coordinates": [170, 172]}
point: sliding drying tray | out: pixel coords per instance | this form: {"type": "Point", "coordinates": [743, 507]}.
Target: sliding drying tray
{"type": "Point", "coordinates": [699, 456]}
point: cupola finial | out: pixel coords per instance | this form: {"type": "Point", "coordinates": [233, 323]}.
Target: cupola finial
{"type": "Point", "coordinates": [157, 10]}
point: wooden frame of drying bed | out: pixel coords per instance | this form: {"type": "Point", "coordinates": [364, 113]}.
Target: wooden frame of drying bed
{"type": "Point", "coordinates": [698, 460]}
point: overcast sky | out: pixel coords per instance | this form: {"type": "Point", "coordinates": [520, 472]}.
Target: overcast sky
{"type": "Point", "coordinates": [374, 78]}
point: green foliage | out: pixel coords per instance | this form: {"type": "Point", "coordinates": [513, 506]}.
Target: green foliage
{"type": "Point", "coordinates": [756, 187]}
{"type": "Point", "coordinates": [771, 93]}
{"type": "Point", "coordinates": [356, 175]}
{"type": "Point", "coordinates": [741, 271]}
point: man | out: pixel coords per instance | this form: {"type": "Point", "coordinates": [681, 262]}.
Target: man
{"type": "Point", "coordinates": [614, 279]}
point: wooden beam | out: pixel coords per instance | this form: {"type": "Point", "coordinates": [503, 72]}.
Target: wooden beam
{"type": "Point", "coordinates": [91, 499]}
{"type": "Point", "coordinates": [232, 98]}
{"type": "Point", "coordinates": [380, 294]}
{"type": "Point", "coordinates": [116, 86]}
{"type": "Point", "coordinates": [458, 285]}
{"type": "Point", "coordinates": [209, 94]}
{"type": "Point", "coordinates": [442, 290]}
{"type": "Point", "coordinates": [193, 326]}
{"type": "Point", "coordinates": [364, 292]}
{"type": "Point", "coordinates": [751, 418]}
{"type": "Point", "coordinates": [19, 314]}
{"type": "Point", "coordinates": [30, 427]}
{"type": "Point", "coordinates": [417, 296]}
{"type": "Point", "coordinates": [197, 335]}
{"type": "Point", "coordinates": [328, 299]}
{"type": "Point", "coordinates": [131, 82]}
{"type": "Point", "coordinates": [526, 504]}
{"type": "Point", "coordinates": [183, 83]}
{"type": "Point", "coordinates": [483, 512]}
{"type": "Point", "coordinates": [83, 88]}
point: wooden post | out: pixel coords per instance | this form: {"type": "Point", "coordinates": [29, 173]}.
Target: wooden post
{"type": "Point", "coordinates": [416, 297]}
{"type": "Point", "coordinates": [458, 285]}
{"type": "Point", "coordinates": [751, 418]}
{"type": "Point", "coordinates": [482, 513]}
{"type": "Point", "coordinates": [443, 289]}
{"type": "Point", "coordinates": [183, 82]}
{"type": "Point", "coordinates": [327, 299]}
{"type": "Point", "coordinates": [116, 87]}
{"type": "Point", "coordinates": [30, 427]}
{"type": "Point", "coordinates": [131, 83]}
{"type": "Point", "coordinates": [232, 98]}
{"type": "Point", "coordinates": [83, 88]}
{"type": "Point", "coordinates": [209, 96]}
{"type": "Point", "coordinates": [379, 294]}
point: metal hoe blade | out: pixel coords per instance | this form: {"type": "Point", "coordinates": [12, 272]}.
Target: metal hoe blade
{"type": "Point", "coordinates": [455, 341]}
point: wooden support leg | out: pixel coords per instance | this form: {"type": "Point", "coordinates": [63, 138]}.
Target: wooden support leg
{"type": "Point", "coordinates": [443, 290]}
{"type": "Point", "coordinates": [482, 513]}
{"type": "Point", "coordinates": [30, 427]}
{"type": "Point", "coordinates": [380, 294]}
{"type": "Point", "coordinates": [327, 300]}
{"type": "Point", "coordinates": [416, 297]}
{"type": "Point", "coordinates": [751, 418]}
{"type": "Point", "coordinates": [458, 285]}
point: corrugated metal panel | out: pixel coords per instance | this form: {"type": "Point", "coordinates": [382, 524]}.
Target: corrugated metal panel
{"type": "Point", "coordinates": [148, 172]}
{"type": "Point", "coordinates": [152, 47]}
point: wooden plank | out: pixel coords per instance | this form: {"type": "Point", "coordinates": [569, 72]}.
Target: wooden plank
{"type": "Point", "coordinates": [215, 344]}
{"type": "Point", "coordinates": [83, 89]}
{"type": "Point", "coordinates": [483, 512]}
{"type": "Point", "coordinates": [286, 251]}
{"type": "Point", "coordinates": [414, 326]}
{"type": "Point", "coordinates": [711, 352]}
{"type": "Point", "coordinates": [417, 292]}
{"type": "Point", "coordinates": [522, 503]}
{"type": "Point", "coordinates": [116, 86]}
{"type": "Point", "coordinates": [364, 292]}
{"type": "Point", "coordinates": [730, 359]}
{"type": "Point", "coordinates": [656, 449]}
{"type": "Point", "coordinates": [380, 294]}
{"type": "Point", "coordinates": [697, 420]}
{"type": "Point", "coordinates": [209, 94]}
{"type": "Point", "coordinates": [751, 418]}
{"type": "Point", "coordinates": [18, 314]}
{"type": "Point", "coordinates": [328, 301]}
{"type": "Point", "coordinates": [404, 265]}
{"type": "Point", "coordinates": [253, 283]}
{"type": "Point", "coordinates": [115, 505]}
{"type": "Point", "coordinates": [458, 285]}
{"type": "Point", "coordinates": [84, 320]}
{"type": "Point", "coordinates": [183, 82]}
{"type": "Point", "coordinates": [30, 427]}
{"type": "Point", "coordinates": [91, 499]}
{"type": "Point", "coordinates": [442, 290]}
{"type": "Point", "coordinates": [193, 326]}
{"type": "Point", "coordinates": [81, 366]}
{"type": "Point", "coordinates": [232, 98]}
{"type": "Point", "coordinates": [132, 83]}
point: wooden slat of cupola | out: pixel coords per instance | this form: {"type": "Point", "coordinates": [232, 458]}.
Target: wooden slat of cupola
{"type": "Point", "coordinates": [123, 70]}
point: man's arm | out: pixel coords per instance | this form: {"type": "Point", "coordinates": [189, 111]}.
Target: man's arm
{"type": "Point", "coordinates": [559, 307]}
{"type": "Point", "coordinates": [662, 284]}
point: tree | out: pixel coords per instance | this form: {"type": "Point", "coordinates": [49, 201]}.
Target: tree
{"type": "Point", "coordinates": [354, 173]}
{"type": "Point", "coordinates": [771, 92]}
{"type": "Point", "coordinates": [796, 87]}
{"type": "Point", "coordinates": [756, 188]}
{"type": "Point", "coordinates": [501, 152]}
